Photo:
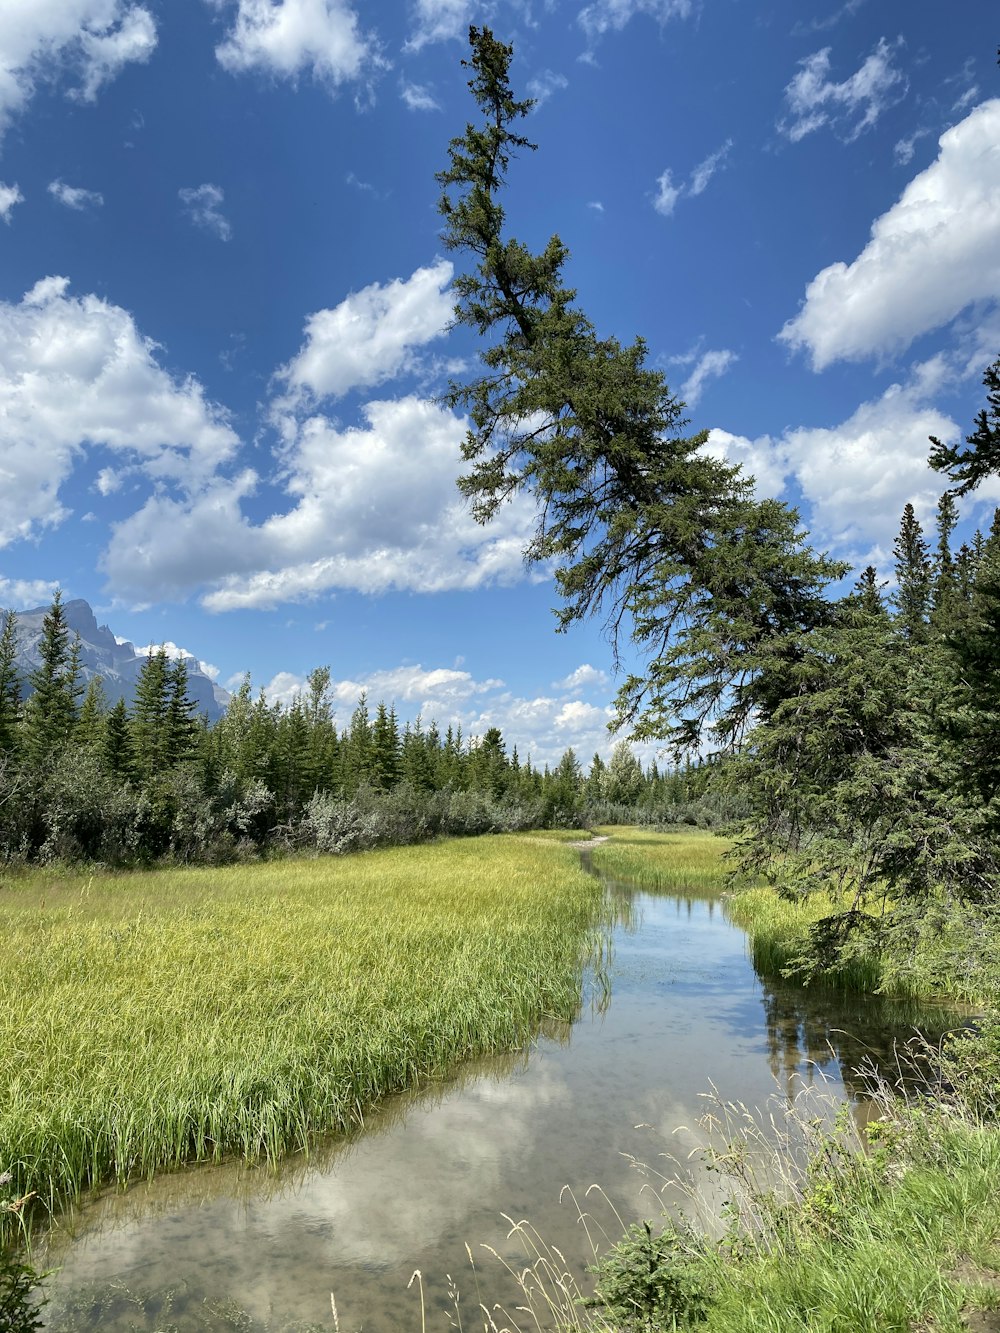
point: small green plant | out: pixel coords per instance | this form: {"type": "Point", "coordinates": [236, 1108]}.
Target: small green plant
{"type": "Point", "coordinates": [20, 1304]}
{"type": "Point", "coordinates": [652, 1280]}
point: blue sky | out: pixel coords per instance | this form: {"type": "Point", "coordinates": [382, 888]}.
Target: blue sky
{"type": "Point", "coordinates": [224, 306]}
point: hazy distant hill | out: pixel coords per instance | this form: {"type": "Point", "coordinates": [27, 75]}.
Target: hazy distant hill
{"type": "Point", "coordinates": [118, 664]}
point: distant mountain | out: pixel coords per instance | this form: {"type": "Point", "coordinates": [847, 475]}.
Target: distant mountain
{"type": "Point", "coordinates": [101, 654]}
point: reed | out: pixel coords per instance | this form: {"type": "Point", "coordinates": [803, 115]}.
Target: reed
{"type": "Point", "coordinates": [673, 861]}
{"type": "Point", "coordinates": [154, 1019]}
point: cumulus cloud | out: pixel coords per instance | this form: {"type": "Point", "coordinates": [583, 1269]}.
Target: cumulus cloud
{"type": "Point", "coordinates": [176, 654]}
{"type": "Point", "coordinates": [203, 205]}
{"type": "Point", "coordinates": [933, 253]}
{"type": "Point", "coordinates": [667, 193]}
{"type": "Point", "coordinates": [10, 195]}
{"type": "Point", "coordinates": [710, 366]}
{"type": "Point", "coordinates": [856, 476]}
{"type": "Point", "coordinates": [285, 38]}
{"type": "Point", "coordinates": [372, 508]}
{"type": "Point", "coordinates": [92, 39]}
{"type": "Point", "coordinates": [585, 677]}
{"type": "Point", "coordinates": [603, 16]}
{"type": "Point", "coordinates": [21, 594]}
{"type": "Point", "coordinates": [849, 107]}
{"type": "Point", "coordinates": [76, 373]}
{"type": "Point", "coordinates": [73, 196]}
{"type": "Point", "coordinates": [371, 335]}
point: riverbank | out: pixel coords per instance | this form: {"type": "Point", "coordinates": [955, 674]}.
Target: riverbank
{"type": "Point", "coordinates": [175, 1016]}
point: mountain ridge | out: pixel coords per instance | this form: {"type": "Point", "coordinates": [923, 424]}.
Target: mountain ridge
{"type": "Point", "coordinates": [116, 661]}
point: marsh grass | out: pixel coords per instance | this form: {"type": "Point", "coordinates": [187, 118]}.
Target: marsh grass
{"type": "Point", "coordinates": [161, 1018]}
{"type": "Point", "coordinates": [672, 861]}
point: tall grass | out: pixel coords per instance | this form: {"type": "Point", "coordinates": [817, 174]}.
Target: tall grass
{"type": "Point", "coordinates": [149, 1020]}
{"type": "Point", "coordinates": [676, 861]}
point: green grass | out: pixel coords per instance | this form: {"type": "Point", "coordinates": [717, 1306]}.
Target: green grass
{"type": "Point", "coordinates": [152, 1019]}
{"type": "Point", "coordinates": [871, 1250]}
{"type": "Point", "coordinates": [674, 861]}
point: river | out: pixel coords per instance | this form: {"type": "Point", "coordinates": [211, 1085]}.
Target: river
{"type": "Point", "coordinates": [677, 1011]}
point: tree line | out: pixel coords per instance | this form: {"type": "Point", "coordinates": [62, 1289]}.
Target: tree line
{"type": "Point", "coordinates": [125, 784]}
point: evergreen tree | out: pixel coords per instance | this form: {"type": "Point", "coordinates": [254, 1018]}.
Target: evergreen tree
{"type": "Point", "coordinates": [90, 728]}
{"type": "Point", "coordinates": [386, 767]}
{"type": "Point", "coordinates": [945, 594]}
{"type": "Point", "coordinates": [968, 467]}
{"type": "Point", "coordinates": [645, 526]}
{"type": "Point", "coordinates": [913, 577]}
{"type": "Point", "coordinates": [623, 781]}
{"type": "Point", "coordinates": [10, 686]}
{"type": "Point", "coordinates": [181, 723]}
{"type": "Point", "coordinates": [117, 743]}
{"type": "Point", "coordinates": [150, 736]}
{"type": "Point", "coordinates": [49, 715]}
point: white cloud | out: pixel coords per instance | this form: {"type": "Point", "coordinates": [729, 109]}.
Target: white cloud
{"type": "Point", "coordinates": [372, 508]}
{"type": "Point", "coordinates": [21, 594]}
{"type": "Point", "coordinates": [76, 373]}
{"type": "Point", "coordinates": [904, 149]}
{"type": "Point", "coordinates": [73, 196]}
{"type": "Point", "coordinates": [9, 196]}
{"type": "Point", "coordinates": [933, 253]}
{"type": "Point", "coordinates": [438, 21]}
{"type": "Point", "coordinates": [288, 37]}
{"type": "Point", "coordinates": [763, 459]}
{"type": "Point", "coordinates": [667, 194]}
{"type": "Point", "coordinates": [203, 204]}
{"type": "Point", "coordinates": [856, 476]}
{"type": "Point", "coordinates": [176, 654]}
{"type": "Point", "coordinates": [585, 677]}
{"type": "Point", "coordinates": [543, 85]}
{"type": "Point", "coordinates": [596, 205]}
{"type": "Point", "coordinates": [371, 335]}
{"type": "Point", "coordinates": [704, 171]}
{"type": "Point", "coordinates": [108, 481]}
{"type": "Point", "coordinates": [94, 39]}
{"type": "Point", "coordinates": [107, 51]}
{"type": "Point", "coordinates": [710, 366]}
{"type": "Point", "coordinates": [849, 107]}
{"type": "Point", "coordinates": [418, 98]}
{"type": "Point", "coordinates": [604, 16]}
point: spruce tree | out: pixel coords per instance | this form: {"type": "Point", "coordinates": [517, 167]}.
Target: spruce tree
{"type": "Point", "coordinates": [913, 577]}
{"type": "Point", "coordinates": [10, 686]}
{"type": "Point", "coordinates": [644, 526]}
{"type": "Point", "coordinates": [49, 714]}
{"type": "Point", "coordinates": [970, 466]}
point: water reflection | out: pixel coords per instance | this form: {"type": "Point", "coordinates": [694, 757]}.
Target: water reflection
{"type": "Point", "coordinates": [672, 1006]}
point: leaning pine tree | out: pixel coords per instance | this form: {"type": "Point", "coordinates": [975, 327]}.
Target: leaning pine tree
{"type": "Point", "coordinates": [645, 527]}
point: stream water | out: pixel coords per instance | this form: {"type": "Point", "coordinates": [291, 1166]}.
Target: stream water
{"type": "Point", "coordinates": [434, 1170]}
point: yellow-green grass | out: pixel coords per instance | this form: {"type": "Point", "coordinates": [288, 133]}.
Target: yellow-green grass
{"type": "Point", "coordinates": [691, 859]}
{"type": "Point", "coordinates": [778, 934]}
{"type": "Point", "coordinates": [152, 1019]}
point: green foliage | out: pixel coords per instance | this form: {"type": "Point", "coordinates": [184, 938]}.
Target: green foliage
{"type": "Point", "coordinates": [20, 1306]}
{"type": "Point", "coordinates": [653, 1281]}
{"type": "Point", "coordinates": [968, 467]}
